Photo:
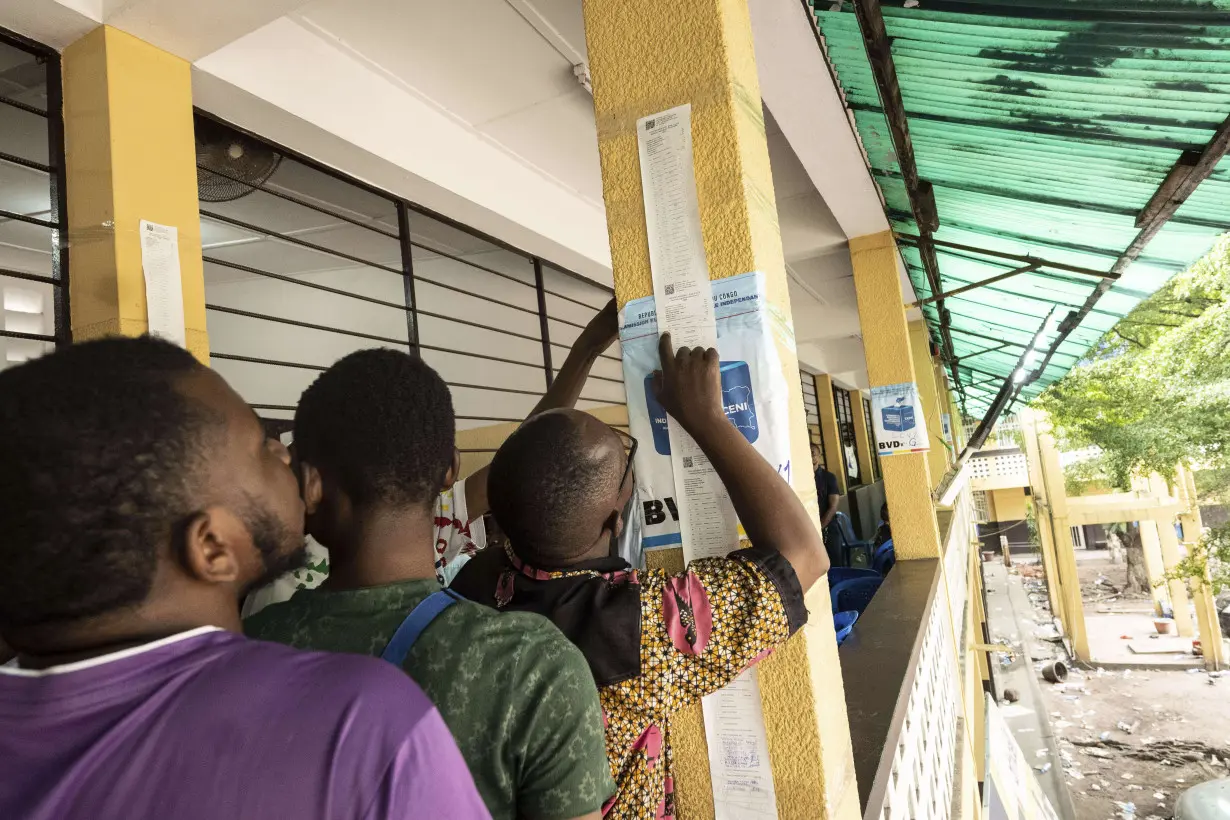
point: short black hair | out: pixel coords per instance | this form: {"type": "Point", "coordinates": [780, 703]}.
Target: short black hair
{"type": "Point", "coordinates": [543, 483]}
{"type": "Point", "coordinates": [100, 456]}
{"type": "Point", "coordinates": [381, 421]}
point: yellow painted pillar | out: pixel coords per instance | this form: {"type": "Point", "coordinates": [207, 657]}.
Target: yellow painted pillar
{"type": "Point", "coordinates": [958, 422]}
{"type": "Point", "coordinates": [862, 437]}
{"type": "Point", "coordinates": [943, 403]}
{"type": "Point", "coordinates": [1042, 517]}
{"type": "Point", "coordinates": [646, 57]}
{"type": "Point", "coordinates": [1171, 556]}
{"type": "Point", "coordinates": [924, 367]}
{"type": "Point", "coordinates": [1168, 541]}
{"type": "Point", "coordinates": [1061, 532]}
{"type": "Point", "coordinates": [1155, 566]}
{"type": "Point", "coordinates": [1211, 640]}
{"type": "Point", "coordinates": [886, 346]}
{"type": "Point", "coordinates": [979, 664]}
{"type": "Point", "coordinates": [1207, 622]}
{"type": "Point", "coordinates": [834, 452]}
{"type": "Point", "coordinates": [1193, 526]}
{"type": "Point", "coordinates": [130, 155]}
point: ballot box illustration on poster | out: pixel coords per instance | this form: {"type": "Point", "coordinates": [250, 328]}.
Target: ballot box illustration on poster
{"type": "Point", "coordinates": [897, 416]}
{"type": "Point", "coordinates": [753, 395]}
{"type": "Point", "coordinates": [738, 401]}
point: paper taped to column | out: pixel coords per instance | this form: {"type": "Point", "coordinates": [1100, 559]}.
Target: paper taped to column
{"type": "Point", "coordinates": [897, 414]}
{"type": "Point", "coordinates": [753, 393]}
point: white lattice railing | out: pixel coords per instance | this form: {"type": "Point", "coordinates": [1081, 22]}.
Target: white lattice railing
{"type": "Point", "coordinates": [956, 554]}
{"type": "Point", "coordinates": [924, 762]}
{"type": "Point", "coordinates": [1003, 435]}
{"type": "Point", "coordinates": [994, 472]}
{"type": "Point", "coordinates": [921, 781]}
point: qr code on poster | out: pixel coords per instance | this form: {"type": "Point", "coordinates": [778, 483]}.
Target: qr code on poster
{"type": "Point", "coordinates": [687, 462]}
{"type": "Point", "coordinates": [670, 290]}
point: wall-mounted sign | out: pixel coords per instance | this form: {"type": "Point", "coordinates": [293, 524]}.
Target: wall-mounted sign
{"type": "Point", "coordinates": [897, 414]}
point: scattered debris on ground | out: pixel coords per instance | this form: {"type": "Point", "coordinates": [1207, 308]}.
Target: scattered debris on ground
{"type": "Point", "coordinates": [1131, 740]}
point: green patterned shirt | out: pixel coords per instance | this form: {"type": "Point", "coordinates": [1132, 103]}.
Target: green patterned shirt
{"type": "Point", "coordinates": [517, 695]}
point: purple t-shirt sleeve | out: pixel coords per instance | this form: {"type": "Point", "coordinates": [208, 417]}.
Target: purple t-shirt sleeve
{"type": "Point", "coordinates": [428, 779]}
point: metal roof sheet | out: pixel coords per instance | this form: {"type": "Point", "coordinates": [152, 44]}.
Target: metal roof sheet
{"type": "Point", "coordinates": [1045, 126]}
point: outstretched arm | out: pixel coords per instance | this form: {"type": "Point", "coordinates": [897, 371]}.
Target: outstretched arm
{"type": "Point", "coordinates": [565, 389]}
{"type": "Point", "coordinates": [690, 388]}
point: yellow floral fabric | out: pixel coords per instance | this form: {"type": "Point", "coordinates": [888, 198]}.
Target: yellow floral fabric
{"type": "Point", "coordinates": [746, 617]}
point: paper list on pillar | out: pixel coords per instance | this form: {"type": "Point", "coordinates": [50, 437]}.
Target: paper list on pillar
{"type": "Point", "coordinates": [739, 753]}
{"type": "Point", "coordinates": [683, 299]}
{"type": "Point", "coordinates": [164, 292]}
{"type": "Point", "coordinates": [672, 219]}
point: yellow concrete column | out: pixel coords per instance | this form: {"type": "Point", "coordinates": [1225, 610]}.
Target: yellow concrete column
{"type": "Point", "coordinates": [886, 346]}
{"type": "Point", "coordinates": [924, 367]}
{"type": "Point", "coordinates": [1155, 566]}
{"type": "Point", "coordinates": [1202, 588]}
{"type": "Point", "coordinates": [943, 402]}
{"type": "Point", "coordinates": [834, 453]}
{"type": "Point", "coordinates": [1042, 517]}
{"type": "Point", "coordinates": [1168, 541]}
{"type": "Point", "coordinates": [1193, 526]}
{"type": "Point", "coordinates": [862, 437]}
{"type": "Point", "coordinates": [1061, 532]}
{"type": "Point", "coordinates": [1211, 642]}
{"type": "Point", "coordinates": [958, 422]}
{"type": "Point", "coordinates": [645, 57]}
{"type": "Point", "coordinates": [130, 155]}
{"type": "Point", "coordinates": [1171, 556]}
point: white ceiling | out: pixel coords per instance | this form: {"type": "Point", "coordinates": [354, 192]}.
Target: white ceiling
{"type": "Point", "coordinates": [473, 109]}
{"type": "Point", "coordinates": [485, 65]}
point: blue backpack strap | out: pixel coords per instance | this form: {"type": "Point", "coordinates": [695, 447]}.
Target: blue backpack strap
{"type": "Point", "coordinates": [419, 619]}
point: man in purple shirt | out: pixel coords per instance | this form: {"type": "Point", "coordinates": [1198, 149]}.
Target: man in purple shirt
{"type": "Point", "coordinates": [139, 499]}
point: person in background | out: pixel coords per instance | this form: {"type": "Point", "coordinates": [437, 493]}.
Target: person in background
{"type": "Point", "coordinates": [826, 488]}
{"type": "Point", "coordinates": [655, 642]}
{"type": "Point", "coordinates": [375, 434]}
{"type": "Point", "coordinates": [139, 498]}
{"type": "Point", "coordinates": [883, 532]}
{"type": "Point", "coordinates": [828, 496]}
{"type": "Point", "coordinates": [459, 510]}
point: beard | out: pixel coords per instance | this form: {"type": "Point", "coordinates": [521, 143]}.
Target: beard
{"type": "Point", "coordinates": [280, 551]}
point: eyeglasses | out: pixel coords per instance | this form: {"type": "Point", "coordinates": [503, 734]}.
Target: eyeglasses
{"type": "Point", "coordinates": [630, 445]}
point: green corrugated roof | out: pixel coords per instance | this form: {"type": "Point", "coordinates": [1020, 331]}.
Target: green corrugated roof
{"type": "Point", "coordinates": [1045, 126]}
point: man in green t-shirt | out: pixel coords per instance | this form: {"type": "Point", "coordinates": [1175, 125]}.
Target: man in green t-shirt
{"type": "Point", "coordinates": [374, 448]}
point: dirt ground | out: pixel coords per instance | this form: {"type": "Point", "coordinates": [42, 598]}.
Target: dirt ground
{"type": "Point", "coordinates": [1180, 718]}
{"type": "Point", "coordinates": [1131, 740]}
{"type": "Point", "coordinates": [1102, 582]}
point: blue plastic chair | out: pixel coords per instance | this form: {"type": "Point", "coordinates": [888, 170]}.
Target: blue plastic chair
{"type": "Point", "coordinates": [854, 594]}
{"type": "Point", "coordinates": [843, 624]}
{"type": "Point", "coordinates": [838, 574]}
{"type": "Point", "coordinates": [884, 558]}
{"type": "Point", "coordinates": [850, 542]}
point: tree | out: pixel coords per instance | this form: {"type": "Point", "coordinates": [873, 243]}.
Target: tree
{"type": "Point", "coordinates": [1154, 393]}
